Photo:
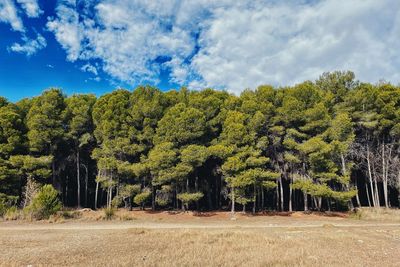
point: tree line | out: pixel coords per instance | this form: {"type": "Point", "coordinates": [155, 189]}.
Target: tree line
{"type": "Point", "coordinates": [332, 144]}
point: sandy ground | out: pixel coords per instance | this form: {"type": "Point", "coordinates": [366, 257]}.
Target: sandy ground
{"type": "Point", "coordinates": [184, 239]}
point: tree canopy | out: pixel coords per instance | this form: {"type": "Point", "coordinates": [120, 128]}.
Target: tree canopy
{"type": "Point", "coordinates": [329, 144]}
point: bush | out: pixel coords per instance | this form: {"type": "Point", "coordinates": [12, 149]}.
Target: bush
{"type": "Point", "coordinates": [67, 214]}
{"type": "Point", "coordinates": [12, 213]}
{"type": "Point", "coordinates": [44, 203]}
{"type": "Point", "coordinates": [6, 202]}
{"type": "Point", "coordinates": [109, 213]}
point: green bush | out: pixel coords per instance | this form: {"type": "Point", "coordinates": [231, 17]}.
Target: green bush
{"type": "Point", "coordinates": [44, 203]}
{"type": "Point", "coordinates": [12, 213]}
{"type": "Point", "coordinates": [6, 202]}
{"type": "Point", "coordinates": [109, 213]}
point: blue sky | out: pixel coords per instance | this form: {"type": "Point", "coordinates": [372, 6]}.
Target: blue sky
{"type": "Point", "coordinates": [94, 46]}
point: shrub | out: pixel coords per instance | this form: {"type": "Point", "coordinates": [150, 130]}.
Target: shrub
{"type": "Point", "coordinates": [109, 213]}
{"type": "Point", "coordinates": [12, 213]}
{"type": "Point", "coordinates": [44, 203]}
{"type": "Point", "coordinates": [66, 214]}
{"type": "Point", "coordinates": [6, 202]}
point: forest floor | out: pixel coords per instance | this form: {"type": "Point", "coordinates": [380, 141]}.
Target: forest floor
{"type": "Point", "coordinates": [144, 238]}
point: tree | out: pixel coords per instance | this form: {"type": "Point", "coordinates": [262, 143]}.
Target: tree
{"type": "Point", "coordinates": [111, 118]}
{"type": "Point", "coordinates": [80, 132]}
{"type": "Point", "coordinates": [46, 124]}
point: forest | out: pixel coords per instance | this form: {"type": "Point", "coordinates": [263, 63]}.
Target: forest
{"type": "Point", "coordinates": [329, 144]}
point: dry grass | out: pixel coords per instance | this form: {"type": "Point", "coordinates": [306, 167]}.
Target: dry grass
{"type": "Point", "coordinates": [381, 214]}
{"type": "Point", "coordinates": [325, 246]}
{"type": "Point", "coordinates": [140, 238]}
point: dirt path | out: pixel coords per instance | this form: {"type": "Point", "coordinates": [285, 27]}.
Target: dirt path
{"type": "Point", "coordinates": [112, 225]}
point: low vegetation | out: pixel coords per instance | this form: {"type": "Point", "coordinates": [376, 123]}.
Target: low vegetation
{"type": "Point", "coordinates": [381, 214]}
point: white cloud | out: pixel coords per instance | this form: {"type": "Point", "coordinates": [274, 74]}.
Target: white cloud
{"type": "Point", "coordinates": [30, 46]}
{"type": "Point", "coordinates": [288, 43]}
{"type": "Point", "coordinates": [8, 14]}
{"type": "Point", "coordinates": [67, 29]}
{"type": "Point", "coordinates": [89, 68]}
{"type": "Point", "coordinates": [240, 44]}
{"type": "Point", "coordinates": [31, 8]}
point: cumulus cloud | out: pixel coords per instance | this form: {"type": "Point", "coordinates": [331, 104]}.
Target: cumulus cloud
{"type": "Point", "coordinates": [30, 46]}
{"type": "Point", "coordinates": [285, 44]}
{"type": "Point", "coordinates": [233, 44]}
{"type": "Point", "coordinates": [8, 14]}
{"type": "Point", "coordinates": [31, 8]}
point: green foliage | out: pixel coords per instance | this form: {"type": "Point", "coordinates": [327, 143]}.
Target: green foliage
{"type": "Point", "coordinates": [181, 125]}
{"type": "Point", "coordinates": [141, 198]}
{"type": "Point", "coordinates": [45, 121]}
{"type": "Point", "coordinates": [314, 136]}
{"type": "Point", "coordinates": [45, 203]}
{"type": "Point", "coordinates": [6, 202]}
{"type": "Point", "coordinates": [163, 196]}
{"type": "Point", "coordinates": [188, 198]}
{"type": "Point", "coordinates": [12, 213]}
{"type": "Point", "coordinates": [109, 213]}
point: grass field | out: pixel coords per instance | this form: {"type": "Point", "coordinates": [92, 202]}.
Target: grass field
{"type": "Point", "coordinates": [210, 239]}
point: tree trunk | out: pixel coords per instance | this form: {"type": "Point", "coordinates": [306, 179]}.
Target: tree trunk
{"type": "Point", "coordinates": [344, 173]}
{"type": "Point", "coordinates": [328, 201]}
{"type": "Point", "coordinates": [281, 194]}
{"type": "Point", "coordinates": [305, 201]}
{"type": "Point", "coordinates": [319, 203]}
{"type": "Point", "coordinates": [262, 198]}
{"type": "Point", "coordinates": [377, 200]}
{"type": "Point", "coordinates": [254, 199]}
{"type": "Point", "coordinates": [384, 176]}
{"type": "Point", "coordinates": [153, 198]}
{"type": "Point", "coordinates": [315, 202]}
{"type": "Point", "coordinates": [78, 180]}
{"type": "Point", "coordinates": [95, 195]}
{"type": "Point", "coordinates": [53, 170]}
{"type": "Point", "coordinates": [196, 186]}
{"type": "Point", "coordinates": [370, 179]}
{"type": "Point", "coordinates": [86, 184]}
{"type": "Point", "coordinates": [358, 198]}
{"type": "Point", "coordinates": [368, 198]}
{"type": "Point", "coordinates": [233, 200]}
{"type": "Point", "coordinates": [290, 196]}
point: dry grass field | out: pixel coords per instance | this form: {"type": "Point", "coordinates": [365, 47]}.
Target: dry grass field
{"type": "Point", "coordinates": [209, 239]}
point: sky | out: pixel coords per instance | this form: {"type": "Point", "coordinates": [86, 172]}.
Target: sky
{"type": "Point", "coordinates": [95, 46]}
